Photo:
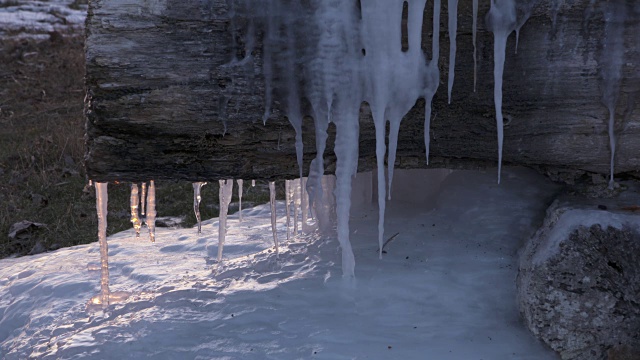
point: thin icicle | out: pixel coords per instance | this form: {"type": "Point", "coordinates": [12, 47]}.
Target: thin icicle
{"type": "Point", "coordinates": [502, 20]}
{"type": "Point", "coordinates": [304, 203]}
{"type": "Point", "coordinates": [432, 78]}
{"type": "Point", "coordinates": [102, 199]}
{"type": "Point", "coordinates": [224, 195]}
{"type": "Point", "coordinates": [240, 182]}
{"type": "Point", "coordinates": [267, 59]}
{"type": "Point", "coordinates": [135, 203]}
{"type": "Point", "coordinates": [197, 186]}
{"type": "Point", "coordinates": [151, 211]}
{"type": "Point", "coordinates": [611, 70]}
{"type": "Point", "coordinates": [475, 50]}
{"type": "Point", "coordinates": [272, 199]}
{"type": "Point", "coordinates": [143, 198]}
{"type": "Point", "coordinates": [296, 203]}
{"type": "Point", "coordinates": [253, 183]}
{"type": "Point", "coordinates": [453, 30]}
{"type": "Point", "coordinates": [287, 203]}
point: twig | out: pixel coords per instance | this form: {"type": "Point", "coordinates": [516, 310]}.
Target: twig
{"type": "Point", "coordinates": [389, 240]}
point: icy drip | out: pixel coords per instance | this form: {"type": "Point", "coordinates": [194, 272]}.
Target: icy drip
{"type": "Point", "coordinates": [611, 69]}
{"type": "Point", "coordinates": [502, 20]}
{"type": "Point", "coordinates": [240, 182]}
{"type": "Point", "coordinates": [453, 29]}
{"type": "Point", "coordinates": [143, 198]}
{"type": "Point", "coordinates": [102, 198]}
{"type": "Point", "coordinates": [287, 202]}
{"type": "Point", "coordinates": [197, 186]}
{"type": "Point", "coordinates": [135, 202]}
{"type": "Point", "coordinates": [253, 183]}
{"type": "Point", "coordinates": [224, 195]}
{"type": "Point", "coordinates": [272, 200]}
{"type": "Point", "coordinates": [524, 8]}
{"type": "Point", "coordinates": [432, 76]}
{"type": "Point", "coordinates": [475, 50]}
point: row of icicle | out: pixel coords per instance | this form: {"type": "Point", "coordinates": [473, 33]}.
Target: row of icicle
{"type": "Point", "coordinates": [295, 194]}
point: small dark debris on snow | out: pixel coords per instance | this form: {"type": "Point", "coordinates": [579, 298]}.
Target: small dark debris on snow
{"type": "Point", "coordinates": [602, 207]}
{"type": "Point", "coordinates": [389, 347]}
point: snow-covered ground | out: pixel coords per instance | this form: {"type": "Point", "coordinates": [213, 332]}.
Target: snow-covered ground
{"type": "Point", "coordinates": [444, 289]}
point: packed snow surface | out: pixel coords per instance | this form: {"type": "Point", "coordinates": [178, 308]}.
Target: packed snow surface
{"type": "Point", "coordinates": [444, 289]}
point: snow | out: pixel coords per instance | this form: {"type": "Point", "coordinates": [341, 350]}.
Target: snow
{"type": "Point", "coordinates": [36, 19]}
{"type": "Point", "coordinates": [444, 289]}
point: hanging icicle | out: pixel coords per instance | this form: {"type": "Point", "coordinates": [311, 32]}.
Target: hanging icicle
{"type": "Point", "coordinates": [226, 190]}
{"type": "Point", "coordinates": [151, 211]}
{"type": "Point", "coordinates": [287, 203]}
{"type": "Point", "coordinates": [135, 202]}
{"type": "Point", "coordinates": [143, 199]}
{"type": "Point", "coordinates": [240, 182]}
{"type": "Point", "coordinates": [272, 199]}
{"type": "Point", "coordinates": [102, 199]}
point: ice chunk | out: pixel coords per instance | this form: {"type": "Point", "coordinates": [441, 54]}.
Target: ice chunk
{"type": "Point", "coordinates": [224, 195]}
{"type": "Point", "coordinates": [197, 186]}
{"type": "Point", "coordinates": [102, 199]}
{"type": "Point", "coordinates": [135, 203]}
{"type": "Point", "coordinates": [150, 219]}
{"type": "Point", "coordinates": [272, 199]}
{"type": "Point", "coordinates": [240, 182]}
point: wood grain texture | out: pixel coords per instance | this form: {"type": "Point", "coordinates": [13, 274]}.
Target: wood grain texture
{"type": "Point", "coordinates": [169, 97]}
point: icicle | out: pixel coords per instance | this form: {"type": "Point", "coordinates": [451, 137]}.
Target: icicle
{"type": "Point", "coordinates": [135, 202]}
{"type": "Point", "coordinates": [502, 20]}
{"type": "Point", "coordinates": [294, 114]}
{"type": "Point", "coordinates": [296, 203]}
{"type": "Point", "coordinates": [253, 183]}
{"type": "Point", "coordinates": [197, 186]}
{"type": "Point", "coordinates": [267, 59]}
{"type": "Point", "coordinates": [475, 50]}
{"type": "Point", "coordinates": [272, 199]}
{"type": "Point", "coordinates": [240, 182]}
{"type": "Point", "coordinates": [151, 211]}
{"type": "Point", "coordinates": [224, 195]}
{"type": "Point", "coordinates": [304, 202]}
{"type": "Point", "coordinates": [143, 198]}
{"type": "Point", "coordinates": [287, 202]}
{"type": "Point", "coordinates": [102, 199]}
{"type": "Point", "coordinates": [432, 76]}
{"type": "Point", "coordinates": [453, 29]}
{"type": "Point", "coordinates": [611, 70]}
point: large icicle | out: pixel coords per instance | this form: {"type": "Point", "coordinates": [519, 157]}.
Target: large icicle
{"type": "Point", "coordinates": [150, 220]}
{"type": "Point", "coordinates": [502, 21]}
{"type": "Point", "coordinates": [611, 69]}
{"type": "Point", "coordinates": [475, 50]}
{"type": "Point", "coordinates": [135, 203]}
{"type": "Point", "coordinates": [197, 186]}
{"type": "Point", "coordinates": [224, 195]}
{"type": "Point", "coordinates": [102, 199]}
{"type": "Point", "coordinates": [240, 182]}
{"type": "Point", "coordinates": [287, 203]}
{"type": "Point", "coordinates": [453, 30]}
{"type": "Point", "coordinates": [272, 200]}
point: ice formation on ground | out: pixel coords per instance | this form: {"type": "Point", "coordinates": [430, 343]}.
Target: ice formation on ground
{"type": "Point", "coordinates": [240, 183]}
{"type": "Point", "coordinates": [102, 199]}
{"type": "Point", "coordinates": [150, 218]}
{"type": "Point", "coordinates": [272, 200]}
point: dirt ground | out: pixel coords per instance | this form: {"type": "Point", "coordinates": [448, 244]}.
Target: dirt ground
{"type": "Point", "coordinates": [42, 179]}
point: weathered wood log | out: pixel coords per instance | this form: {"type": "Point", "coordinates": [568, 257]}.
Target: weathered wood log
{"type": "Point", "coordinates": [172, 94]}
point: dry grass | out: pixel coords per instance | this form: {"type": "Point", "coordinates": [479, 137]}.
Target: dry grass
{"type": "Point", "coordinates": [42, 146]}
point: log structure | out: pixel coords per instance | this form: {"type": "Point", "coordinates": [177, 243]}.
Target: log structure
{"type": "Point", "coordinates": [176, 90]}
